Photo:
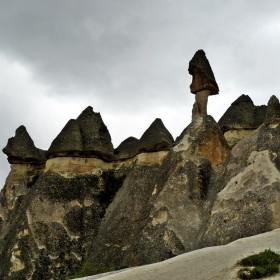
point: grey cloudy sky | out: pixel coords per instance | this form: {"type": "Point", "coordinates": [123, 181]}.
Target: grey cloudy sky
{"type": "Point", "coordinates": [128, 59]}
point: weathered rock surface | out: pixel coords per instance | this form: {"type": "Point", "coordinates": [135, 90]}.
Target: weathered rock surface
{"type": "Point", "coordinates": [86, 136]}
{"type": "Point", "coordinates": [168, 199]}
{"type": "Point", "coordinates": [69, 140]}
{"type": "Point", "coordinates": [21, 149]}
{"type": "Point", "coordinates": [250, 186]}
{"type": "Point", "coordinates": [203, 76]}
{"type": "Point", "coordinates": [127, 148]}
{"type": "Point", "coordinates": [219, 262]}
{"type": "Point", "coordinates": [155, 138]}
{"type": "Point", "coordinates": [158, 213]}
{"type": "Point", "coordinates": [241, 118]}
{"type": "Point", "coordinates": [51, 234]}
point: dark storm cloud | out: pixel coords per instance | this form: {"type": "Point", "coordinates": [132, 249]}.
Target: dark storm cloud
{"type": "Point", "coordinates": [129, 60]}
{"type": "Point", "coordinates": [130, 50]}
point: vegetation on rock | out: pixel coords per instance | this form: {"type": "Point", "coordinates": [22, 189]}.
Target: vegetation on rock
{"type": "Point", "coordinates": [91, 268]}
{"type": "Point", "coordinates": [259, 265]}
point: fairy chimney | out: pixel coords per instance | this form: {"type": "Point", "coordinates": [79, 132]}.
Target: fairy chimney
{"type": "Point", "coordinates": [203, 82]}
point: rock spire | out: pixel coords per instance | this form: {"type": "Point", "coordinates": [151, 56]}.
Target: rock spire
{"type": "Point", "coordinates": [21, 149]}
{"type": "Point", "coordinates": [273, 111]}
{"type": "Point", "coordinates": [203, 82]}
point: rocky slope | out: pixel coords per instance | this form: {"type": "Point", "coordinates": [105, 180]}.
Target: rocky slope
{"type": "Point", "coordinates": [146, 201]}
{"type": "Point", "coordinates": [212, 263]}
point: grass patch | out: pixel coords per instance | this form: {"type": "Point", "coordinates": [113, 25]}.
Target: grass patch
{"type": "Point", "coordinates": [91, 268]}
{"type": "Point", "coordinates": [260, 265]}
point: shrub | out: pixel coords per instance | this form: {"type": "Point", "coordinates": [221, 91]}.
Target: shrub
{"type": "Point", "coordinates": [91, 268]}
{"type": "Point", "coordinates": [264, 264]}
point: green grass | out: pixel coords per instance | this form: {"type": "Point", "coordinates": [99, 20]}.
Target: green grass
{"type": "Point", "coordinates": [90, 268]}
{"type": "Point", "coordinates": [260, 265]}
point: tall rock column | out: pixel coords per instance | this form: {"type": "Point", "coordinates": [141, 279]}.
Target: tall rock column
{"type": "Point", "coordinates": [203, 83]}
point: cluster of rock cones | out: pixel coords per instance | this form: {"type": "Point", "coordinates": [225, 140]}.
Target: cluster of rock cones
{"type": "Point", "coordinates": [87, 136]}
{"type": "Point", "coordinates": [83, 201]}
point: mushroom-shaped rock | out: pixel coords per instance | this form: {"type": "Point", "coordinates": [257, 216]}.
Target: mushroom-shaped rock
{"type": "Point", "coordinates": [68, 142]}
{"type": "Point", "coordinates": [127, 148]}
{"type": "Point", "coordinates": [273, 111]}
{"type": "Point", "coordinates": [203, 82]}
{"type": "Point", "coordinates": [156, 138]}
{"type": "Point", "coordinates": [21, 149]}
{"type": "Point", "coordinates": [96, 137]}
{"type": "Point", "coordinates": [241, 118]}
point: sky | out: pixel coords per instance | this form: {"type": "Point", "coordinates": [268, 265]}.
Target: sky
{"type": "Point", "coordinates": [128, 59]}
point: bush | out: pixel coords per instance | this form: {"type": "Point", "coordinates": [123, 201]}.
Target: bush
{"type": "Point", "coordinates": [264, 264]}
{"type": "Point", "coordinates": [263, 258]}
{"type": "Point", "coordinates": [91, 268]}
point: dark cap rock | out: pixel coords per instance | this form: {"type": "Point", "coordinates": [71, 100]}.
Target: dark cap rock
{"type": "Point", "coordinates": [203, 76]}
{"type": "Point", "coordinates": [86, 136]}
{"type": "Point", "coordinates": [21, 149]}
{"type": "Point", "coordinates": [68, 141]}
{"type": "Point", "coordinates": [127, 148]}
{"type": "Point", "coordinates": [242, 98]}
{"type": "Point", "coordinates": [273, 111]}
{"type": "Point", "coordinates": [156, 138]}
{"type": "Point", "coordinates": [242, 114]}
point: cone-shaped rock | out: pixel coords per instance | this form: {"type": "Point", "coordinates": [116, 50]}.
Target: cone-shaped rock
{"type": "Point", "coordinates": [86, 136]}
{"type": "Point", "coordinates": [156, 138]}
{"type": "Point", "coordinates": [242, 114]}
{"type": "Point", "coordinates": [96, 137]}
{"type": "Point", "coordinates": [273, 111]}
{"type": "Point", "coordinates": [127, 148]}
{"type": "Point", "coordinates": [204, 138]}
{"type": "Point", "coordinates": [68, 142]}
{"type": "Point", "coordinates": [203, 76]}
{"type": "Point", "coordinates": [242, 98]}
{"type": "Point", "coordinates": [21, 149]}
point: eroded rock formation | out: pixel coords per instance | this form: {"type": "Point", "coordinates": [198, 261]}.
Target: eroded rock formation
{"type": "Point", "coordinates": [146, 201]}
{"type": "Point", "coordinates": [86, 136]}
{"type": "Point", "coordinates": [241, 118]}
{"type": "Point", "coordinates": [203, 82]}
{"type": "Point", "coordinates": [21, 149]}
{"type": "Point", "coordinates": [155, 138]}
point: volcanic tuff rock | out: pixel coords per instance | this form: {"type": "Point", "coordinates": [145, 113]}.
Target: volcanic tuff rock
{"type": "Point", "coordinates": [86, 136]}
{"type": "Point", "coordinates": [249, 200]}
{"type": "Point", "coordinates": [158, 212]}
{"type": "Point", "coordinates": [21, 149]}
{"type": "Point", "coordinates": [146, 208]}
{"type": "Point", "coordinates": [155, 138]}
{"type": "Point", "coordinates": [203, 76]}
{"type": "Point", "coordinates": [241, 118]}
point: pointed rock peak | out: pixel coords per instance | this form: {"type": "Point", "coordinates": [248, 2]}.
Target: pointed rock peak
{"type": "Point", "coordinates": [273, 101]}
{"type": "Point", "coordinates": [21, 148]}
{"type": "Point", "coordinates": [273, 111]}
{"type": "Point", "coordinates": [157, 126]}
{"type": "Point", "coordinates": [242, 98]}
{"type": "Point", "coordinates": [68, 141]}
{"type": "Point", "coordinates": [203, 76]}
{"type": "Point", "coordinates": [21, 129]}
{"type": "Point", "coordinates": [86, 136]}
{"type": "Point", "coordinates": [205, 139]}
{"type": "Point", "coordinates": [86, 112]}
{"type": "Point", "coordinates": [156, 138]}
